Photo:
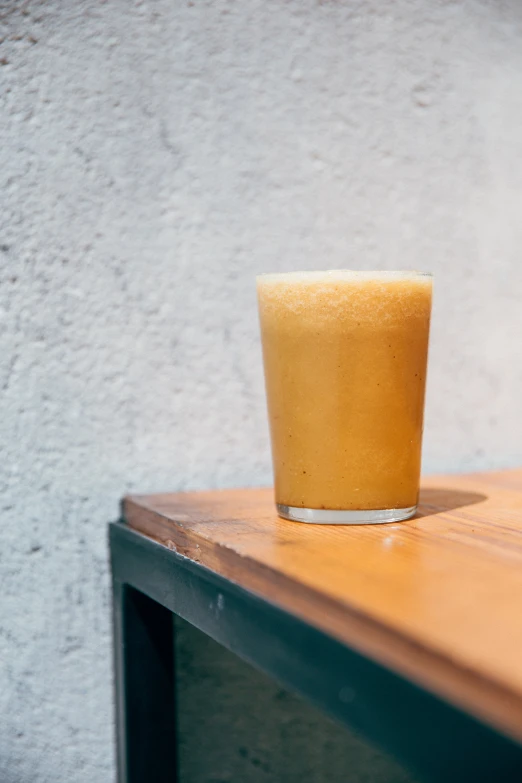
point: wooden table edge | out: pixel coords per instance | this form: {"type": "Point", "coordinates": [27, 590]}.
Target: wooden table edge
{"type": "Point", "coordinates": [485, 698]}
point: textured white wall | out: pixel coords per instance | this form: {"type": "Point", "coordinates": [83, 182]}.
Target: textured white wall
{"type": "Point", "coordinates": [154, 156]}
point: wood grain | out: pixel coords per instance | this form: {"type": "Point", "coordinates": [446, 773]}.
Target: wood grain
{"type": "Point", "coordinates": [437, 599]}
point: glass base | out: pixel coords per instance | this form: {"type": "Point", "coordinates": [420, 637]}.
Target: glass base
{"type": "Point", "coordinates": [325, 516]}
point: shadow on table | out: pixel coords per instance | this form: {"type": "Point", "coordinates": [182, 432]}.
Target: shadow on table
{"type": "Point", "coordinates": [433, 500]}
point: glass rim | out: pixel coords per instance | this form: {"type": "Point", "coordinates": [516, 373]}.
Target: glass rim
{"type": "Point", "coordinates": [351, 273]}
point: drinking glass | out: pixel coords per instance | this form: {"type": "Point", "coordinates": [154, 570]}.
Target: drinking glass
{"type": "Point", "coordinates": [345, 357]}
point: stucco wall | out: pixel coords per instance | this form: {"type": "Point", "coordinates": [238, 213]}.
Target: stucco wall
{"type": "Point", "coordinates": [153, 157]}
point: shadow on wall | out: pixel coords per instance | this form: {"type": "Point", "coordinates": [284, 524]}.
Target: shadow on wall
{"type": "Point", "coordinates": [236, 724]}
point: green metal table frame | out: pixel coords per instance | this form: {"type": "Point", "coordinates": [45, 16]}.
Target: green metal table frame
{"type": "Point", "coordinates": [433, 739]}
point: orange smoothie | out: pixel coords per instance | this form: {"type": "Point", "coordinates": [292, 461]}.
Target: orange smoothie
{"type": "Point", "coordinates": [345, 358]}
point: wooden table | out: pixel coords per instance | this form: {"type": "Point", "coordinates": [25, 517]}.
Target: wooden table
{"type": "Point", "coordinates": [410, 633]}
